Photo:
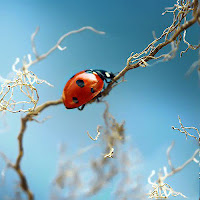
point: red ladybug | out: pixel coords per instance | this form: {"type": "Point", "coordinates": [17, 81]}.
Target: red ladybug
{"type": "Point", "coordinates": [84, 86]}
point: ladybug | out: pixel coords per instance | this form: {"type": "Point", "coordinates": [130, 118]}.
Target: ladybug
{"type": "Point", "coordinates": [85, 86]}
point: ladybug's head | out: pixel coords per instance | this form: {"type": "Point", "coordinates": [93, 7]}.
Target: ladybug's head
{"type": "Point", "coordinates": [105, 75]}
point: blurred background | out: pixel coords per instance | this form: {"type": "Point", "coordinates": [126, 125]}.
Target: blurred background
{"type": "Point", "coordinates": [149, 101]}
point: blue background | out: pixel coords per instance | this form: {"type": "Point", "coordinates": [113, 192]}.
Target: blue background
{"type": "Point", "coordinates": [150, 101]}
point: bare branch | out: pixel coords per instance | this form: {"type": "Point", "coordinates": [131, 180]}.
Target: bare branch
{"type": "Point", "coordinates": [33, 42]}
{"type": "Point", "coordinates": [57, 45]}
{"type": "Point", "coordinates": [162, 190]}
{"type": "Point", "coordinates": [168, 155]}
{"type": "Point", "coordinates": [6, 160]}
{"type": "Point", "coordinates": [17, 165]}
{"type": "Point", "coordinates": [177, 169]}
{"type": "Point", "coordinates": [171, 35]}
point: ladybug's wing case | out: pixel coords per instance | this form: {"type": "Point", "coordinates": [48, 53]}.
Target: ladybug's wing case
{"type": "Point", "coordinates": [81, 88]}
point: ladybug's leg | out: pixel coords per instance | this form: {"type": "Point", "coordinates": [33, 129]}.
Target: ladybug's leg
{"type": "Point", "coordinates": [109, 81]}
{"type": "Point", "coordinates": [81, 107]}
{"type": "Point", "coordinates": [98, 96]}
{"type": "Point", "coordinates": [106, 80]}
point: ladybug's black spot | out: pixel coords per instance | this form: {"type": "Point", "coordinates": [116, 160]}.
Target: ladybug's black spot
{"type": "Point", "coordinates": [75, 100]}
{"type": "Point", "coordinates": [92, 90]}
{"type": "Point", "coordinates": [80, 83]}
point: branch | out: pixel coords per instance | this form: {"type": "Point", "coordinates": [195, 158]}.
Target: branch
{"type": "Point", "coordinates": [177, 169]}
{"type": "Point", "coordinates": [57, 45]}
{"type": "Point", "coordinates": [162, 190]}
{"type": "Point", "coordinates": [17, 165]}
{"type": "Point", "coordinates": [175, 30]}
{"type": "Point", "coordinates": [168, 155]}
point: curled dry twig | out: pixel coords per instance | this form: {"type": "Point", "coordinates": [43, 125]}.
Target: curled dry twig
{"type": "Point", "coordinates": [113, 132]}
{"type": "Point", "coordinates": [184, 129]}
{"type": "Point", "coordinates": [97, 136]}
{"type": "Point", "coordinates": [24, 81]}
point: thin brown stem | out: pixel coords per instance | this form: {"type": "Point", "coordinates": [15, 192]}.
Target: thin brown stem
{"type": "Point", "coordinates": [17, 165]}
